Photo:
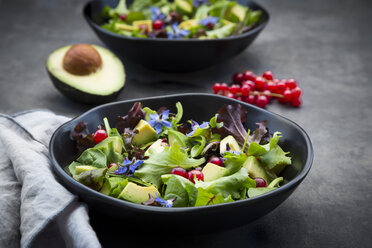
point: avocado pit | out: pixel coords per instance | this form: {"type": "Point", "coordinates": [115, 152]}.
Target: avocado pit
{"type": "Point", "coordinates": [81, 60]}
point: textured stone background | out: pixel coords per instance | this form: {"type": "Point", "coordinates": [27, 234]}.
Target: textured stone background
{"type": "Point", "coordinates": [326, 45]}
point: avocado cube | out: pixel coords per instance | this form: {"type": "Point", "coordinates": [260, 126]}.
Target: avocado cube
{"type": "Point", "coordinates": [145, 133]}
{"type": "Point", "coordinates": [237, 13]}
{"type": "Point", "coordinates": [229, 142]}
{"type": "Point", "coordinates": [255, 169]}
{"type": "Point", "coordinates": [137, 194]}
{"type": "Point", "coordinates": [183, 7]}
{"type": "Point", "coordinates": [212, 172]}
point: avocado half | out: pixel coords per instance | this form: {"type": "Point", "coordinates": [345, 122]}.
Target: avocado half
{"type": "Point", "coordinates": [76, 75]}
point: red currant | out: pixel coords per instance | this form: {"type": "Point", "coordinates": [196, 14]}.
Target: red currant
{"type": "Point", "coordinates": [240, 98]}
{"type": "Point", "coordinates": [216, 87]}
{"type": "Point", "coordinates": [296, 102]}
{"type": "Point", "coordinates": [238, 78]}
{"type": "Point", "coordinates": [249, 75]}
{"type": "Point", "coordinates": [250, 99]}
{"type": "Point", "coordinates": [216, 160]}
{"type": "Point", "coordinates": [230, 95]}
{"type": "Point", "coordinates": [260, 83]}
{"type": "Point", "coordinates": [199, 175]}
{"type": "Point", "coordinates": [245, 89]}
{"type": "Point", "coordinates": [267, 93]}
{"type": "Point", "coordinates": [144, 28]}
{"type": "Point", "coordinates": [291, 83]}
{"type": "Point", "coordinates": [235, 88]}
{"type": "Point", "coordinates": [262, 101]}
{"type": "Point", "coordinates": [210, 26]}
{"type": "Point", "coordinates": [180, 172]}
{"type": "Point", "coordinates": [123, 17]}
{"type": "Point", "coordinates": [113, 164]}
{"type": "Point", "coordinates": [260, 182]}
{"type": "Point", "coordinates": [287, 95]}
{"type": "Point", "coordinates": [296, 92]}
{"type": "Point", "coordinates": [268, 75]}
{"type": "Point", "coordinates": [280, 87]}
{"type": "Point", "coordinates": [251, 84]}
{"type": "Point", "coordinates": [271, 86]}
{"type": "Point", "coordinates": [224, 87]}
{"type": "Point", "coordinates": [99, 135]}
{"type": "Point", "coordinates": [158, 24]}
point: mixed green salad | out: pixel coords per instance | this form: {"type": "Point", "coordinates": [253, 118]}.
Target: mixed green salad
{"type": "Point", "coordinates": [151, 158]}
{"type": "Point", "coordinates": [201, 19]}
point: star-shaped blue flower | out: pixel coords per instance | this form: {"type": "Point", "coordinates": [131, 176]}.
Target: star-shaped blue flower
{"type": "Point", "coordinates": [164, 203]}
{"type": "Point", "coordinates": [128, 166]}
{"type": "Point", "coordinates": [177, 33]}
{"type": "Point", "coordinates": [209, 20]}
{"type": "Point", "coordinates": [197, 3]}
{"type": "Point", "coordinates": [158, 122]}
{"type": "Point", "coordinates": [195, 126]}
{"type": "Point", "coordinates": [156, 14]}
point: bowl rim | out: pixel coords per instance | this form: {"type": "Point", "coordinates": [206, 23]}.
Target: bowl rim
{"type": "Point", "coordinates": [150, 209]}
{"type": "Point", "coordinates": [234, 37]}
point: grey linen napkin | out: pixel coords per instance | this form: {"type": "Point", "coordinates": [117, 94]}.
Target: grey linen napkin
{"type": "Point", "coordinates": [35, 210]}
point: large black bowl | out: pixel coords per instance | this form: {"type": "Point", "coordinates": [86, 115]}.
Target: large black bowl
{"type": "Point", "coordinates": [216, 217]}
{"type": "Point", "coordinates": [171, 55]}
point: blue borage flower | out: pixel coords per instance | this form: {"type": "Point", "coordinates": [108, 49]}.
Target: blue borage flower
{"type": "Point", "coordinates": [156, 14]}
{"type": "Point", "coordinates": [164, 203]}
{"type": "Point", "coordinates": [128, 166]}
{"type": "Point", "coordinates": [195, 126]}
{"type": "Point", "coordinates": [197, 3]}
{"type": "Point", "coordinates": [177, 33]}
{"type": "Point", "coordinates": [210, 19]}
{"type": "Point", "coordinates": [158, 122]}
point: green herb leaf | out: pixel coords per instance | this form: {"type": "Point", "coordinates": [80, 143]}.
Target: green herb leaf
{"type": "Point", "coordinates": [176, 188]}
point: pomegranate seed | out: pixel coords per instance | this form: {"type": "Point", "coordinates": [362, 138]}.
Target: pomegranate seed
{"type": "Point", "coordinates": [260, 83]}
{"type": "Point", "coordinates": [235, 88]}
{"type": "Point", "coordinates": [99, 135]}
{"type": "Point", "coordinates": [123, 17]}
{"type": "Point", "coordinates": [245, 89]}
{"type": "Point", "coordinates": [180, 172]}
{"type": "Point", "coordinates": [271, 86]}
{"type": "Point", "coordinates": [250, 99]}
{"type": "Point", "coordinates": [216, 160]}
{"type": "Point", "coordinates": [224, 87]}
{"type": "Point", "coordinates": [216, 87]}
{"type": "Point", "coordinates": [199, 175]}
{"type": "Point", "coordinates": [238, 78]}
{"type": "Point", "coordinates": [249, 75]}
{"type": "Point", "coordinates": [260, 182]}
{"type": "Point", "coordinates": [287, 95]}
{"type": "Point", "coordinates": [280, 87]}
{"type": "Point", "coordinates": [262, 101]}
{"type": "Point", "coordinates": [296, 102]}
{"type": "Point", "coordinates": [268, 75]}
{"type": "Point", "coordinates": [291, 83]}
{"type": "Point", "coordinates": [296, 92]}
{"type": "Point", "coordinates": [158, 24]}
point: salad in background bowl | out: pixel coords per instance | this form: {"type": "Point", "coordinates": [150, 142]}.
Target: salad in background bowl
{"type": "Point", "coordinates": [198, 107]}
{"type": "Point", "coordinates": [175, 54]}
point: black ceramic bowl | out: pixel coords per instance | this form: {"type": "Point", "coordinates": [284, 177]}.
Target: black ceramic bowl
{"type": "Point", "coordinates": [199, 107]}
{"type": "Point", "coordinates": [171, 55]}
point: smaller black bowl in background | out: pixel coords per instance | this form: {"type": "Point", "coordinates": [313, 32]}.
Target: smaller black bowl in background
{"type": "Point", "coordinates": [199, 107]}
{"type": "Point", "coordinates": [171, 55]}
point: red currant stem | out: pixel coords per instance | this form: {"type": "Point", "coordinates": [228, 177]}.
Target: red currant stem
{"type": "Point", "coordinates": [265, 94]}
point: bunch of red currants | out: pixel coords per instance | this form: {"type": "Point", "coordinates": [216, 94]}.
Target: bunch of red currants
{"type": "Point", "coordinates": [260, 89]}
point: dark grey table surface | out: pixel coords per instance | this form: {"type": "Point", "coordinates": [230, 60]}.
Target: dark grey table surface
{"type": "Point", "coordinates": [326, 45]}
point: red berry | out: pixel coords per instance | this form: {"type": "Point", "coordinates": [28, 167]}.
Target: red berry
{"type": "Point", "coordinates": [271, 86]}
{"type": "Point", "coordinates": [267, 94]}
{"type": "Point", "coordinates": [216, 87]}
{"type": "Point", "coordinates": [296, 102]}
{"type": "Point", "coordinates": [216, 160]}
{"type": "Point", "coordinates": [230, 95]}
{"type": "Point", "coordinates": [113, 164]}
{"type": "Point", "coordinates": [199, 175]}
{"type": "Point", "coordinates": [280, 87]}
{"type": "Point", "coordinates": [210, 26]}
{"type": "Point", "coordinates": [99, 135]}
{"type": "Point", "coordinates": [250, 99]}
{"type": "Point", "coordinates": [245, 89]}
{"type": "Point", "coordinates": [238, 78]}
{"type": "Point", "coordinates": [291, 83]}
{"type": "Point", "coordinates": [268, 75]}
{"type": "Point", "coordinates": [157, 24]}
{"type": "Point", "coordinates": [123, 17]}
{"type": "Point", "coordinates": [235, 88]}
{"type": "Point", "coordinates": [296, 92]}
{"type": "Point", "coordinates": [260, 83]}
{"type": "Point", "coordinates": [251, 84]}
{"type": "Point", "coordinates": [249, 75]}
{"type": "Point", "coordinates": [260, 182]}
{"type": "Point", "coordinates": [224, 87]}
{"type": "Point", "coordinates": [287, 95]}
{"type": "Point", "coordinates": [180, 171]}
{"type": "Point", "coordinates": [240, 98]}
{"type": "Point", "coordinates": [144, 28]}
{"type": "Point", "coordinates": [262, 101]}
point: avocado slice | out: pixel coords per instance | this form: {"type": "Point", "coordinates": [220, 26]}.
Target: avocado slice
{"type": "Point", "coordinates": [137, 194]}
{"type": "Point", "coordinates": [212, 172]}
{"type": "Point", "coordinates": [230, 142]}
{"type": "Point", "coordinates": [145, 133]}
{"type": "Point", "coordinates": [81, 168]}
{"type": "Point", "coordinates": [156, 147]}
{"type": "Point", "coordinates": [237, 13]}
{"type": "Point", "coordinates": [86, 73]}
{"type": "Point", "coordinates": [148, 23]}
{"type": "Point", "coordinates": [255, 169]}
{"type": "Point", "coordinates": [183, 7]}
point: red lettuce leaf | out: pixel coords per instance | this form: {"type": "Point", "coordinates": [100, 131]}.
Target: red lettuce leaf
{"type": "Point", "coordinates": [134, 115]}
{"type": "Point", "coordinates": [260, 133]}
{"type": "Point", "coordinates": [82, 137]}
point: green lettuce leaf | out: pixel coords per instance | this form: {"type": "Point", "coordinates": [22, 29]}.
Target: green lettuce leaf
{"type": "Point", "coordinates": [222, 32]}
{"type": "Point", "coordinates": [179, 114]}
{"type": "Point", "coordinates": [180, 188]}
{"type": "Point", "coordinates": [94, 157]}
{"type": "Point", "coordinates": [93, 178]}
{"type": "Point", "coordinates": [234, 162]}
{"type": "Point", "coordinates": [252, 192]}
{"type": "Point", "coordinates": [200, 141]}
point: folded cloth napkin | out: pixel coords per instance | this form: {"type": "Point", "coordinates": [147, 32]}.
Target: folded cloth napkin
{"type": "Point", "coordinates": [35, 210]}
